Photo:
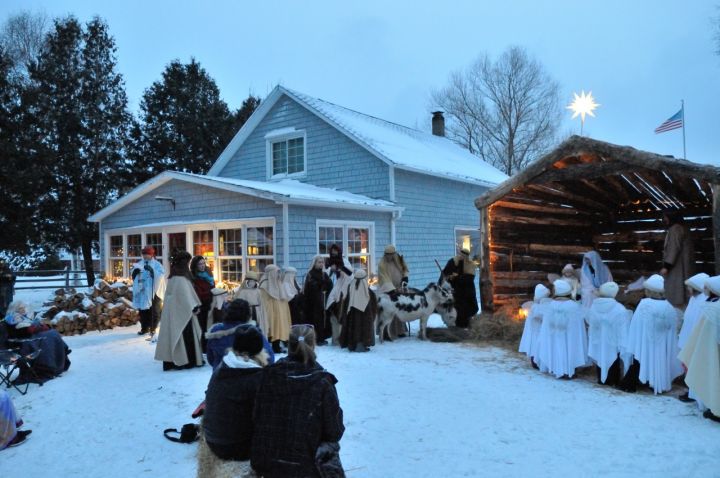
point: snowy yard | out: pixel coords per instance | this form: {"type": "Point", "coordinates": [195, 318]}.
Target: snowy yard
{"type": "Point", "coordinates": [412, 409]}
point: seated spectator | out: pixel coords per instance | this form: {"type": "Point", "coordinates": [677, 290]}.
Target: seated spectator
{"type": "Point", "coordinates": [298, 419]}
{"type": "Point", "coordinates": [230, 397]}
{"type": "Point", "coordinates": [53, 360]}
{"type": "Point", "coordinates": [9, 423]}
{"type": "Point", "coordinates": [221, 336]}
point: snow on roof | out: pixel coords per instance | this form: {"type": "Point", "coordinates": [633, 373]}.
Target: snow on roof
{"type": "Point", "coordinates": [405, 147]}
{"type": "Point", "coordinates": [286, 190]}
{"type": "Point", "coordinates": [400, 146]}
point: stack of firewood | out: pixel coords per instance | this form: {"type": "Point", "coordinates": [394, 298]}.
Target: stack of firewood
{"type": "Point", "coordinates": [101, 307]}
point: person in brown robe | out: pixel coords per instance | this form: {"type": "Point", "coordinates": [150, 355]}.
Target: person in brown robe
{"type": "Point", "coordinates": [393, 275]}
{"type": "Point", "coordinates": [678, 254]}
{"type": "Point", "coordinates": [359, 310]}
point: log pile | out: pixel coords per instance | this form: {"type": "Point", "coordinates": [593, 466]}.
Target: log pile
{"type": "Point", "coordinates": [104, 306]}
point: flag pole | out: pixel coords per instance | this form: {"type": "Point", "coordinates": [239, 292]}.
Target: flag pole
{"type": "Point", "coordinates": [682, 108]}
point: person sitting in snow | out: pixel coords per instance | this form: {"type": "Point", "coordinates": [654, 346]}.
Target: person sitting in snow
{"type": "Point", "coordinates": [229, 402]}
{"type": "Point", "coordinates": [148, 277]}
{"type": "Point", "coordinates": [10, 422]}
{"type": "Point", "coordinates": [530, 340]}
{"type": "Point", "coordinates": [652, 340]}
{"type": "Point", "coordinates": [608, 322]}
{"type": "Point", "coordinates": [698, 297]}
{"type": "Point", "coordinates": [563, 340]}
{"type": "Point", "coordinates": [701, 354]}
{"type": "Point", "coordinates": [221, 335]}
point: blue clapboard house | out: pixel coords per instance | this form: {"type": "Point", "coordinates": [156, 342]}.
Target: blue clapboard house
{"type": "Point", "coordinates": [300, 175]}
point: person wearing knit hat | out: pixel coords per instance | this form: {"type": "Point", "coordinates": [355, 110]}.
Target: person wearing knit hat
{"type": "Point", "coordinates": [250, 292]}
{"type": "Point", "coordinates": [563, 340]}
{"type": "Point", "coordinates": [393, 274]}
{"type": "Point", "coordinates": [230, 397]}
{"type": "Point", "coordinates": [316, 288]}
{"type": "Point", "coordinates": [530, 340]}
{"type": "Point", "coordinates": [700, 354]}
{"type": "Point", "coordinates": [220, 337]}
{"type": "Point", "coordinates": [148, 277]}
{"type": "Point", "coordinates": [359, 311]}
{"type": "Point", "coordinates": [652, 341]}
{"type": "Point", "coordinates": [460, 271]}
{"type": "Point", "coordinates": [608, 322]}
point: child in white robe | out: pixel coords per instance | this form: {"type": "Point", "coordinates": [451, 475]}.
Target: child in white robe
{"type": "Point", "coordinates": [608, 322]}
{"type": "Point", "coordinates": [563, 340]}
{"type": "Point", "coordinates": [530, 340]}
{"type": "Point", "coordinates": [652, 340]}
{"type": "Point", "coordinates": [698, 297]}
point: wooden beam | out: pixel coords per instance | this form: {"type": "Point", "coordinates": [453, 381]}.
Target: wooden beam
{"type": "Point", "coordinates": [540, 220]}
{"type": "Point", "coordinates": [486, 278]}
{"type": "Point", "coordinates": [581, 171]}
{"type": "Point", "coordinates": [523, 206]}
{"type": "Point", "coordinates": [716, 224]}
{"type": "Point", "coordinates": [558, 190]}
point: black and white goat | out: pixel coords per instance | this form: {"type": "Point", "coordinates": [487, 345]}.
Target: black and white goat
{"type": "Point", "coordinates": [414, 305]}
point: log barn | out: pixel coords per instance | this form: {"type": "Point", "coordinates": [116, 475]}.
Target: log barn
{"type": "Point", "coordinates": [588, 194]}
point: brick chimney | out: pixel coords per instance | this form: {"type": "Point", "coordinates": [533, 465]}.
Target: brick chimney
{"type": "Point", "coordinates": [438, 123]}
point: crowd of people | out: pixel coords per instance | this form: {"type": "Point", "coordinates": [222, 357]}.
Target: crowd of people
{"type": "Point", "coordinates": [672, 331]}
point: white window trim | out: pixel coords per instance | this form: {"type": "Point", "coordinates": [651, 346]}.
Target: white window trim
{"type": "Point", "coordinates": [345, 225]}
{"type": "Point", "coordinates": [465, 228]}
{"type": "Point", "coordinates": [188, 229]}
{"type": "Point", "coordinates": [284, 135]}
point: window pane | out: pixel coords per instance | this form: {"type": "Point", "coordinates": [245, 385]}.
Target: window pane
{"type": "Point", "coordinates": [358, 241]}
{"type": "Point", "coordinates": [260, 241]}
{"type": "Point", "coordinates": [116, 268]}
{"type": "Point", "coordinates": [176, 242]}
{"type": "Point", "coordinates": [230, 242]}
{"type": "Point", "coordinates": [231, 270]}
{"type": "Point", "coordinates": [116, 246]}
{"type": "Point", "coordinates": [203, 244]}
{"type": "Point", "coordinates": [295, 155]}
{"type": "Point", "coordinates": [470, 239]}
{"type": "Point", "coordinates": [360, 262]}
{"type": "Point", "coordinates": [258, 265]}
{"type": "Point", "coordinates": [134, 243]}
{"type": "Point", "coordinates": [154, 239]}
{"type": "Point", "coordinates": [279, 156]}
{"type": "Point", "coordinates": [329, 235]}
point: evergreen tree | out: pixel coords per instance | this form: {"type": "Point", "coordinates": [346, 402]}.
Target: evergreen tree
{"type": "Point", "coordinates": [79, 105]}
{"type": "Point", "coordinates": [184, 123]}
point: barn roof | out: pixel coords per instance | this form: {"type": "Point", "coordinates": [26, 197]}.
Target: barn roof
{"type": "Point", "coordinates": [666, 181]}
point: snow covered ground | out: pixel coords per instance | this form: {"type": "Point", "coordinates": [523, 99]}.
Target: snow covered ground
{"type": "Point", "coordinates": [412, 409]}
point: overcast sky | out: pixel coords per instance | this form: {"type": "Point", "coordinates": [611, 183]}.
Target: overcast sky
{"type": "Point", "coordinates": [639, 58]}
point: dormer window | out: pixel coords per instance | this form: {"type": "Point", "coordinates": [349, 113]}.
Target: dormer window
{"type": "Point", "coordinates": [286, 153]}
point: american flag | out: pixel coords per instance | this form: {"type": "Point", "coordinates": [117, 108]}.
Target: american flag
{"type": "Point", "coordinates": [674, 122]}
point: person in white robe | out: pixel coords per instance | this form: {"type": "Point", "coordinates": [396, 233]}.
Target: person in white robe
{"type": "Point", "coordinates": [250, 292]}
{"type": "Point", "coordinates": [696, 289]}
{"type": "Point", "coordinates": [563, 339]}
{"type": "Point", "coordinates": [608, 322]}
{"type": "Point", "coordinates": [570, 275]}
{"type": "Point", "coordinates": [530, 340]}
{"type": "Point", "coordinates": [652, 340]}
{"type": "Point", "coordinates": [593, 274]}
{"type": "Point", "coordinates": [701, 354]}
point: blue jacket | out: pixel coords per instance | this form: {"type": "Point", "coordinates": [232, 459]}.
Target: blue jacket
{"type": "Point", "coordinates": [221, 337]}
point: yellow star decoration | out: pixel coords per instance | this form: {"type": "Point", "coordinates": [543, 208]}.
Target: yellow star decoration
{"type": "Point", "coordinates": [582, 105]}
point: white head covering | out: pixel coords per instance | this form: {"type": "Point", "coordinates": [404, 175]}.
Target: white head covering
{"type": "Point", "coordinates": [609, 289]}
{"type": "Point", "coordinates": [541, 292]}
{"type": "Point", "coordinates": [288, 283]}
{"type": "Point", "coordinates": [655, 283]}
{"type": "Point", "coordinates": [562, 288]}
{"type": "Point", "coordinates": [697, 282]}
{"type": "Point", "coordinates": [358, 290]}
{"type": "Point", "coordinates": [568, 268]}
{"type": "Point", "coordinates": [271, 284]}
{"type": "Point", "coordinates": [713, 284]}
{"type": "Point", "coordinates": [312, 264]}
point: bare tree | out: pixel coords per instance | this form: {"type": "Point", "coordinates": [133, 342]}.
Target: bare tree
{"type": "Point", "coordinates": [507, 111]}
{"type": "Point", "coordinates": [22, 36]}
{"type": "Point", "coordinates": [716, 28]}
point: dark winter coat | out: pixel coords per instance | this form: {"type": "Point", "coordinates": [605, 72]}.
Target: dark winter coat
{"type": "Point", "coordinates": [229, 402]}
{"type": "Point", "coordinates": [296, 409]}
{"type": "Point", "coordinates": [221, 338]}
{"type": "Point", "coordinates": [315, 290]}
{"type": "Point", "coordinates": [297, 309]}
{"type": "Point", "coordinates": [464, 294]}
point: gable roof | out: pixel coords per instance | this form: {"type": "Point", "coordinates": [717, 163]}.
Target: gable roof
{"type": "Point", "coordinates": [398, 146]}
{"type": "Point", "coordinates": [284, 191]}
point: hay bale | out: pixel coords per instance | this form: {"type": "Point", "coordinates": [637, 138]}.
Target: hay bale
{"type": "Point", "coordinates": [504, 325]}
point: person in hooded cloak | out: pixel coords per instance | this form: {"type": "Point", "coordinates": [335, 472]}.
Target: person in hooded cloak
{"type": "Point", "coordinates": [250, 292]}
{"type": "Point", "coordinates": [316, 288]}
{"type": "Point", "coordinates": [275, 303]}
{"type": "Point", "coordinates": [359, 310]}
{"type": "Point", "coordinates": [593, 274]}
{"type": "Point", "coordinates": [460, 272]}
{"type": "Point", "coordinates": [530, 340]}
{"type": "Point", "coordinates": [608, 322]}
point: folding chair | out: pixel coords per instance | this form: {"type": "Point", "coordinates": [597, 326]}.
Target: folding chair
{"type": "Point", "coordinates": [10, 361]}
